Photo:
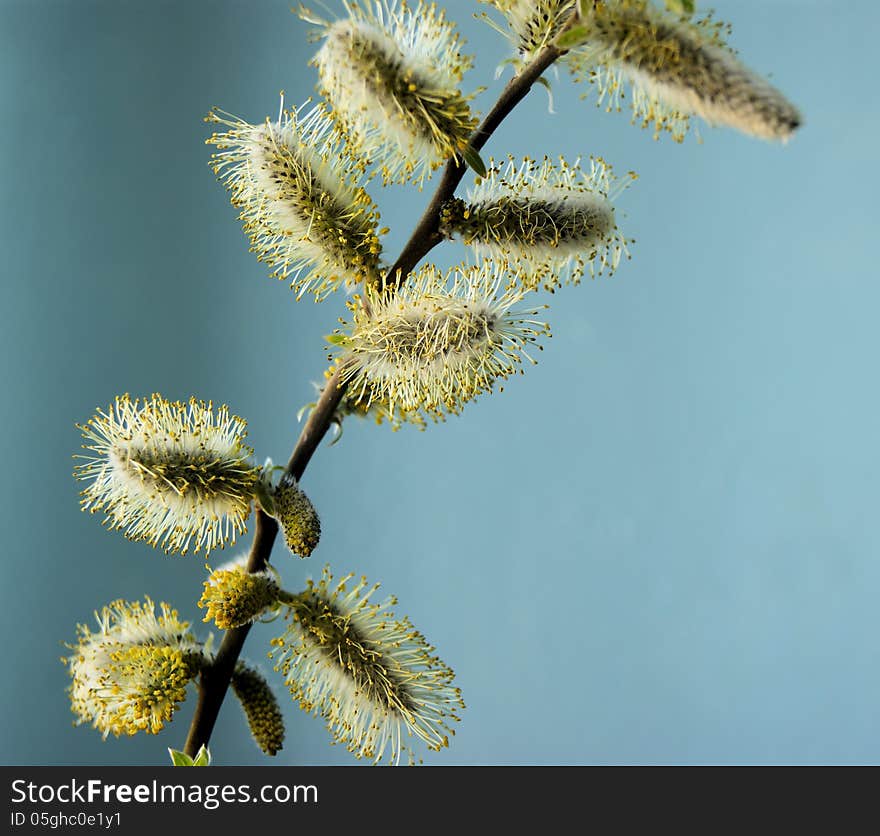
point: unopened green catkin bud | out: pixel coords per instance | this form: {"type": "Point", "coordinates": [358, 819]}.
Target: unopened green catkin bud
{"type": "Point", "coordinates": [233, 596]}
{"type": "Point", "coordinates": [298, 191]}
{"type": "Point", "coordinates": [677, 68]}
{"type": "Point", "coordinates": [260, 707]}
{"type": "Point", "coordinates": [391, 73]}
{"type": "Point", "coordinates": [297, 517]}
{"type": "Point", "coordinates": [371, 676]}
{"type": "Point", "coordinates": [553, 220]}
{"type": "Point", "coordinates": [171, 474]}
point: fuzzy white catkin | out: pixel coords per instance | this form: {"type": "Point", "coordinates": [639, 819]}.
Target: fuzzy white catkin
{"type": "Point", "coordinates": [131, 673]}
{"type": "Point", "coordinates": [299, 193]}
{"type": "Point", "coordinates": [371, 676]}
{"type": "Point", "coordinates": [175, 475]}
{"type": "Point", "coordinates": [552, 220]}
{"type": "Point", "coordinates": [439, 340]}
{"type": "Point", "coordinates": [677, 68]}
{"type": "Point", "coordinates": [531, 24]}
{"type": "Point", "coordinates": [391, 72]}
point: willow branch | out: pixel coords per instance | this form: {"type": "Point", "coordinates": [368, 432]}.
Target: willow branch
{"type": "Point", "coordinates": [214, 680]}
{"type": "Point", "coordinates": [427, 233]}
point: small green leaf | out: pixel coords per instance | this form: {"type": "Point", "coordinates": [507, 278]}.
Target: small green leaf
{"type": "Point", "coordinates": [180, 758]}
{"type": "Point", "coordinates": [336, 339]}
{"type": "Point", "coordinates": [573, 37]}
{"type": "Point", "coordinates": [681, 7]}
{"type": "Point", "coordinates": [474, 160]}
{"type": "Point", "coordinates": [203, 757]}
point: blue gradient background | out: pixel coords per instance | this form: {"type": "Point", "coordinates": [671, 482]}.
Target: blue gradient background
{"type": "Point", "coordinates": [660, 545]}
